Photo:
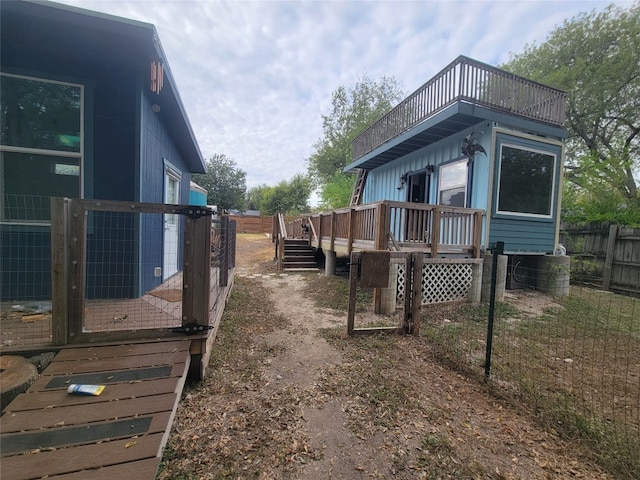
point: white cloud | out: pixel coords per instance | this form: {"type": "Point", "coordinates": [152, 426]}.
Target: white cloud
{"type": "Point", "coordinates": [255, 76]}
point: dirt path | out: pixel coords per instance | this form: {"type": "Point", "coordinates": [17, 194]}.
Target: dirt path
{"type": "Point", "coordinates": [342, 408]}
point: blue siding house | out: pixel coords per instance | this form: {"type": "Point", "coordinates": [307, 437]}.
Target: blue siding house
{"type": "Point", "coordinates": [478, 137]}
{"type": "Point", "coordinates": [89, 109]}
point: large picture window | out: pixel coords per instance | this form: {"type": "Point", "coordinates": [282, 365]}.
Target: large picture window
{"type": "Point", "coordinates": [452, 187]}
{"type": "Point", "coordinates": [526, 181]}
{"type": "Point", "coordinates": [40, 146]}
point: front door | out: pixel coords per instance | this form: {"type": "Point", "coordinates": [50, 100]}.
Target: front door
{"type": "Point", "coordinates": [171, 222]}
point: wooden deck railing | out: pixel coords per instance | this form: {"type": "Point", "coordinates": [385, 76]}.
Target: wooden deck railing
{"type": "Point", "coordinates": [432, 229]}
{"type": "Point", "coordinates": [470, 81]}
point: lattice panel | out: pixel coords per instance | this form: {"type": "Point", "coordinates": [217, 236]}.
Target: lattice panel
{"type": "Point", "coordinates": [401, 284]}
{"type": "Point", "coordinates": [445, 282]}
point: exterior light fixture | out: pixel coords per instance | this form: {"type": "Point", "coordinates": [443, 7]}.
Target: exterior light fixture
{"type": "Point", "coordinates": [402, 181]}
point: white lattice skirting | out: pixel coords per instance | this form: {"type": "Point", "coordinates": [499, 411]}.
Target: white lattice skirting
{"type": "Point", "coordinates": [441, 282]}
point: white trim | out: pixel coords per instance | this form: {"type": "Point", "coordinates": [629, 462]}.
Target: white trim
{"type": "Point", "coordinates": [79, 155]}
{"type": "Point", "coordinates": [553, 182]}
{"type": "Point", "coordinates": [464, 184]}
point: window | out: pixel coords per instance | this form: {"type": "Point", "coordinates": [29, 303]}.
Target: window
{"type": "Point", "coordinates": [40, 146]}
{"type": "Point", "coordinates": [526, 181]}
{"type": "Point", "coordinates": [452, 189]}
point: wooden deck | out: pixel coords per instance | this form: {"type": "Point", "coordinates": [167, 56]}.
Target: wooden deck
{"type": "Point", "coordinates": [120, 433]}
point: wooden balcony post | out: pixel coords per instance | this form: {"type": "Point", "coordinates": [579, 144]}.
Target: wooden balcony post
{"type": "Point", "coordinates": [381, 240]}
{"type": "Point", "coordinates": [435, 232]}
{"type": "Point", "coordinates": [59, 271]}
{"type": "Point", "coordinates": [197, 268]}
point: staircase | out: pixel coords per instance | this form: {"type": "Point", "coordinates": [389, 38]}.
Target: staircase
{"type": "Point", "coordinates": [298, 255]}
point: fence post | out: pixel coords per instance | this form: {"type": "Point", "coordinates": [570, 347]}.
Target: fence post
{"type": "Point", "coordinates": [499, 250]}
{"type": "Point", "coordinates": [608, 263]}
{"type": "Point", "coordinates": [224, 245]}
{"type": "Point", "coordinates": [59, 271]}
{"type": "Point", "coordinates": [196, 270]}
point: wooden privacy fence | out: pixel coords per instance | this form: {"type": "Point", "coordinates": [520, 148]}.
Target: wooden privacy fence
{"type": "Point", "coordinates": [605, 255]}
{"type": "Point", "coordinates": [252, 224]}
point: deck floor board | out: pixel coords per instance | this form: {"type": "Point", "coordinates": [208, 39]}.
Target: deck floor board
{"type": "Point", "coordinates": [49, 432]}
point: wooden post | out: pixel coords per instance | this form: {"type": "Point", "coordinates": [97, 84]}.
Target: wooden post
{"type": "Point", "coordinates": [78, 261]}
{"type": "Point", "coordinates": [408, 292]}
{"type": "Point", "coordinates": [416, 293]}
{"type": "Point", "coordinates": [353, 281]}
{"type": "Point", "coordinates": [319, 232]}
{"type": "Point", "coordinates": [332, 234]}
{"type": "Point", "coordinates": [224, 245]}
{"type": "Point", "coordinates": [350, 233]}
{"type": "Point", "coordinates": [477, 233]}
{"type": "Point", "coordinates": [59, 271]}
{"type": "Point", "coordinates": [382, 226]}
{"type": "Point", "coordinates": [608, 263]}
{"type": "Point", "coordinates": [380, 240]}
{"type": "Point", "coordinates": [197, 268]}
{"type": "Point", "coordinates": [435, 229]}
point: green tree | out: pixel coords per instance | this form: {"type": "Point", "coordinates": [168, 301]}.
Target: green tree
{"type": "Point", "coordinates": [255, 195]}
{"type": "Point", "coordinates": [287, 197]}
{"type": "Point", "coordinates": [595, 57]}
{"type": "Point", "coordinates": [352, 111]}
{"type": "Point", "coordinates": [224, 182]}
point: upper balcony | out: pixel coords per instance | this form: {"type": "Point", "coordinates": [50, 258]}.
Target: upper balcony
{"type": "Point", "coordinates": [462, 94]}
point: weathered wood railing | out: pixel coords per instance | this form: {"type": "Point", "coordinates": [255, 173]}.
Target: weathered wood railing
{"type": "Point", "coordinates": [468, 81]}
{"type": "Point", "coordinates": [433, 229]}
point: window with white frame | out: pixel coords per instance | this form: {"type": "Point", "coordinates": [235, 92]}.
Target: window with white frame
{"type": "Point", "coordinates": [41, 146]}
{"type": "Point", "coordinates": [526, 181]}
{"type": "Point", "coordinates": [452, 184]}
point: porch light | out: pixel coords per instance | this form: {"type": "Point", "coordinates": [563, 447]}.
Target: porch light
{"type": "Point", "coordinates": [402, 181]}
{"type": "Point", "coordinates": [157, 75]}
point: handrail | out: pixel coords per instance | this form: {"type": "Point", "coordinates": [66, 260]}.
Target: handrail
{"type": "Point", "coordinates": [283, 225]}
{"type": "Point", "coordinates": [312, 229]}
{"type": "Point", "coordinates": [434, 229]}
{"type": "Point", "coordinates": [466, 80]}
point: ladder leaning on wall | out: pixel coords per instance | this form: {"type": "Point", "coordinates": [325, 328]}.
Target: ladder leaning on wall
{"type": "Point", "coordinates": [358, 187]}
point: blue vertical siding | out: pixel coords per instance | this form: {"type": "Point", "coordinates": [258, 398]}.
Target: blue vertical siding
{"type": "Point", "coordinates": [521, 233]}
{"type": "Point", "coordinates": [156, 148]}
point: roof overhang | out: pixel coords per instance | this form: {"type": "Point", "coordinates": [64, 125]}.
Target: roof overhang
{"type": "Point", "coordinates": [54, 29]}
{"type": "Point", "coordinates": [449, 121]}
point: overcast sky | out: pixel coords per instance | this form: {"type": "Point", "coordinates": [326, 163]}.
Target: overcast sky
{"type": "Point", "coordinates": [256, 76]}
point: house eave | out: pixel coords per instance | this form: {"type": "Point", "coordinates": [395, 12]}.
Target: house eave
{"type": "Point", "coordinates": [101, 31]}
{"type": "Point", "coordinates": [449, 121]}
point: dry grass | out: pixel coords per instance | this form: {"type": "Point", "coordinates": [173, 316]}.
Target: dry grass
{"type": "Point", "coordinates": [375, 407]}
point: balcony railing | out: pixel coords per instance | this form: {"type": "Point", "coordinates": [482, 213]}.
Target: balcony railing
{"type": "Point", "coordinates": [435, 230]}
{"type": "Point", "coordinates": [466, 80]}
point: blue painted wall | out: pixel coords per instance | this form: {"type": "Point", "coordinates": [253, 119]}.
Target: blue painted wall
{"type": "Point", "coordinates": [382, 182]}
{"type": "Point", "coordinates": [157, 150]}
{"type": "Point", "coordinates": [520, 234]}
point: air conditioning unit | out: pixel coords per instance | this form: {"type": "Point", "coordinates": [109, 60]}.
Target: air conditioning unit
{"type": "Point", "coordinates": [521, 272]}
